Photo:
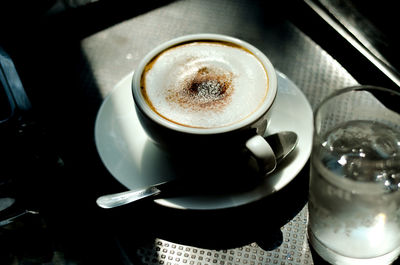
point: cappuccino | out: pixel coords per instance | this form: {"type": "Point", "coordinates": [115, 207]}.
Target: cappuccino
{"type": "Point", "coordinates": [205, 84]}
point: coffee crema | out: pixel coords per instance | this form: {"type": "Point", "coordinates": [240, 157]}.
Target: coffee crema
{"type": "Point", "coordinates": [204, 84]}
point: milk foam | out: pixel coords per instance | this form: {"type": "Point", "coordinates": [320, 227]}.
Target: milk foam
{"type": "Point", "coordinates": [205, 84]}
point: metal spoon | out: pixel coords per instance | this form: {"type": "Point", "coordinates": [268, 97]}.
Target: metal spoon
{"type": "Point", "coordinates": [282, 143]}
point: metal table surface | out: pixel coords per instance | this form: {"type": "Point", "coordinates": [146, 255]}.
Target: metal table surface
{"type": "Point", "coordinates": [86, 66]}
{"type": "Point", "coordinates": [116, 51]}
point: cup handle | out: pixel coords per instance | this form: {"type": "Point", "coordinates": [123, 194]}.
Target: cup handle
{"type": "Point", "coordinates": [262, 152]}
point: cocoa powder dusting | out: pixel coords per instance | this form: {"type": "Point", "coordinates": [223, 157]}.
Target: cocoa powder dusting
{"type": "Point", "coordinates": [207, 89]}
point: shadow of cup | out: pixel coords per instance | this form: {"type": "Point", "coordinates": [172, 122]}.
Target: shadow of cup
{"type": "Point", "coordinates": [259, 222]}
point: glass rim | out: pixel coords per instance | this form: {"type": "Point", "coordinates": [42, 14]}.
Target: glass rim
{"type": "Point", "coordinates": [347, 90]}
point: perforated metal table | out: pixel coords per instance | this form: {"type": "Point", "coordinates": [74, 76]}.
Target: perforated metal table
{"type": "Point", "coordinates": [116, 51]}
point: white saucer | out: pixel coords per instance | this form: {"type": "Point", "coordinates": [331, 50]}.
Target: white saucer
{"type": "Point", "coordinates": [136, 162]}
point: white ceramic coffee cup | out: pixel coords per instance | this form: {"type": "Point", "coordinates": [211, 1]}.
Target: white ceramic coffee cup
{"type": "Point", "coordinates": [219, 141]}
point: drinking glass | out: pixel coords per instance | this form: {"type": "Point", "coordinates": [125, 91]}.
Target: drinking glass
{"type": "Point", "coordinates": [354, 192]}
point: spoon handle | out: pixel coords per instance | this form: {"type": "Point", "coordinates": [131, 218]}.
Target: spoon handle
{"type": "Point", "coordinates": [118, 199]}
